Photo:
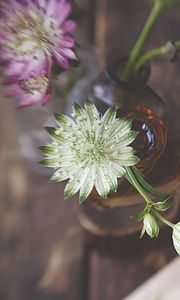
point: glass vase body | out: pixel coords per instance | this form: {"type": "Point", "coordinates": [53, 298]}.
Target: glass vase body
{"type": "Point", "coordinates": [134, 99]}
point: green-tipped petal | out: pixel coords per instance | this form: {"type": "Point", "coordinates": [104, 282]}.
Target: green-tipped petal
{"type": "Point", "coordinates": [54, 133]}
{"type": "Point", "coordinates": [63, 120]}
{"type": "Point", "coordinates": [48, 149]}
{"type": "Point", "coordinates": [128, 138]}
{"type": "Point", "coordinates": [101, 183]}
{"type": "Point", "coordinates": [130, 161]}
{"type": "Point", "coordinates": [87, 186]}
{"type": "Point", "coordinates": [49, 162]}
{"type": "Point", "coordinates": [121, 127]}
{"type": "Point", "coordinates": [79, 114]}
{"type": "Point", "coordinates": [92, 112]}
{"type": "Point", "coordinates": [109, 117]}
{"type": "Point", "coordinates": [112, 180]}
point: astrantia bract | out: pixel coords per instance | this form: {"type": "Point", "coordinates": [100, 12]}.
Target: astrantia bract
{"type": "Point", "coordinates": [90, 150]}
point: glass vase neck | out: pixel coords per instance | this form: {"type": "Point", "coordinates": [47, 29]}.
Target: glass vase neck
{"type": "Point", "coordinates": [115, 67]}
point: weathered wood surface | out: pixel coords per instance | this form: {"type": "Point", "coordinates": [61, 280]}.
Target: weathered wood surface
{"type": "Point", "coordinates": [44, 253]}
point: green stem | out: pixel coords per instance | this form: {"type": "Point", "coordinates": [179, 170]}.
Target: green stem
{"type": "Point", "coordinates": [162, 219]}
{"type": "Point", "coordinates": [148, 56]}
{"type": "Point", "coordinates": [148, 27]}
{"type": "Point", "coordinates": [136, 184]}
{"type": "Point", "coordinates": [152, 54]}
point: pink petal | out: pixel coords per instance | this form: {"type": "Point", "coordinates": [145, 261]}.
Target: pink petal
{"type": "Point", "coordinates": [67, 42]}
{"type": "Point", "coordinates": [14, 68]}
{"type": "Point", "coordinates": [47, 97]}
{"type": "Point", "coordinates": [63, 10]}
{"type": "Point", "coordinates": [51, 7]}
{"type": "Point", "coordinates": [34, 66]}
{"type": "Point", "coordinates": [61, 60]}
{"type": "Point", "coordinates": [69, 26]}
{"type": "Point", "coordinates": [68, 53]}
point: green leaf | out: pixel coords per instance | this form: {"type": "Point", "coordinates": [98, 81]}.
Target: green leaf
{"type": "Point", "coordinates": [149, 188]}
{"type": "Point", "coordinates": [164, 205]}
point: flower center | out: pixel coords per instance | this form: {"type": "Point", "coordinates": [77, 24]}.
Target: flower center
{"type": "Point", "coordinates": [31, 32]}
{"type": "Point", "coordinates": [88, 147]}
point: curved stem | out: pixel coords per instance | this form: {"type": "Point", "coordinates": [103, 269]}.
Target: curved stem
{"type": "Point", "coordinates": [136, 184]}
{"type": "Point", "coordinates": [145, 34]}
{"type": "Point", "coordinates": [154, 53]}
{"type": "Point", "coordinates": [148, 56]}
{"type": "Point", "coordinates": [162, 219]}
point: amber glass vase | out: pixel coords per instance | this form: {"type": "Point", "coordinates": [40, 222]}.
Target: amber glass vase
{"type": "Point", "coordinates": [134, 99]}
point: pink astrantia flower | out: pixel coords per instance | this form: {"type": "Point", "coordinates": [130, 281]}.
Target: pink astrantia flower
{"type": "Point", "coordinates": [34, 33]}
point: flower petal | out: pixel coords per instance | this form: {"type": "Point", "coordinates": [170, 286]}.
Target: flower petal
{"type": "Point", "coordinates": [87, 185]}
{"type": "Point", "coordinates": [101, 183]}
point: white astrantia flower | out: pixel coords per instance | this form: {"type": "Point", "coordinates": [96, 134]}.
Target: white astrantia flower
{"type": "Point", "coordinates": [176, 237]}
{"type": "Point", "coordinates": [90, 150]}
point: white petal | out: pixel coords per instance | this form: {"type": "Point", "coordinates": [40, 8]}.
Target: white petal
{"type": "Point", "coordinates": [128, 138]}
{"type": "Point", "coordinates": [101, 183]}
{"type": "Point", "coordinates": [118, 170]}
{"type": "Point", "coordinates": [92, 113]}
{"type": "Point", "coordinates": [75, 184]}
{"type": "Point", "coordinates": [108, 117]}
{"type": "Point", "coordinates": [87, 185]}
{"type": "Point", "coordinates": [176, 237]}
{"type": "Point", "coordinates": [120, 125]}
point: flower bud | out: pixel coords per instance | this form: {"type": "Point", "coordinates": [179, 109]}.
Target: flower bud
{"type": "Point", "coordinates": [150, 226]}
{"type": "Point", "coordinates": [176, 237]}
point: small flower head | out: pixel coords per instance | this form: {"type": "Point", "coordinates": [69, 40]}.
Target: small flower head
{"type": "Point", "coordinates": [90, 150]}
{"type": "Point", "coordinates": [150, 226]}
{"type": "Point", "coordinates": [176, 237]}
